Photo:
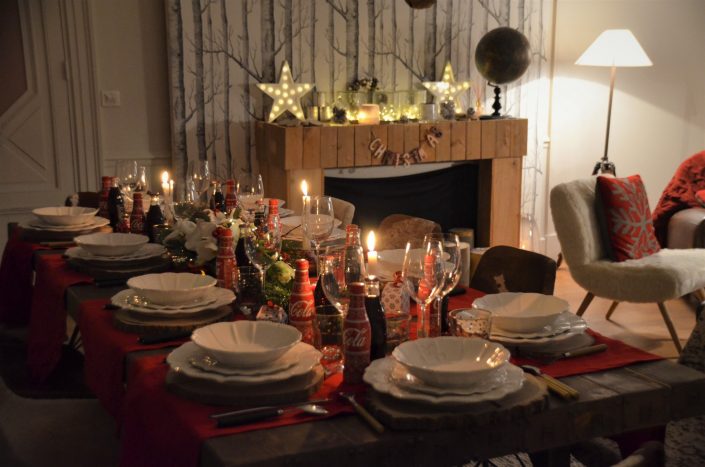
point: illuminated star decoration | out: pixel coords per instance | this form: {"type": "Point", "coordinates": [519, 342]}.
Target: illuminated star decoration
{"type": "Point", "coordinates": [286, 94]}
{"type": "Point", "coordinates": [448, 90]}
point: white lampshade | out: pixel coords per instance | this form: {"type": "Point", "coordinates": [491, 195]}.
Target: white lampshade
{"type": "Point", "coordinates": [615, 47]}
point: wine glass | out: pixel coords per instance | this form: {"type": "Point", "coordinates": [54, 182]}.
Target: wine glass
{"type": "Point", "coordinates": [263, 245]}
{"type": "Point", "coordinates": [317, 220]}
{"type": "Point", "coordinates": [128, 177]}
{"type": "Point", "coordinates": [250, 191]}
{"type": "Point", "coordinates": [199, 176]}
{"type": "Point", "coordinates": [423, 277]}
{"type": "Point", "coordinates": [452, 272]}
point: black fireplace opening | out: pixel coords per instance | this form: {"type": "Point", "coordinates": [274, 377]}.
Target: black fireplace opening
{"type": "Point", "coordinates": [446, 196]}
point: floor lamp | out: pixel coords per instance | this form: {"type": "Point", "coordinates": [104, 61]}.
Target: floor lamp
{"type": "Point", "coordinates": [613, 48]}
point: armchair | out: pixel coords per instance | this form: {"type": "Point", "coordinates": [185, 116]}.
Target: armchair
{"type": "Point", "coordinates": [662, 276]}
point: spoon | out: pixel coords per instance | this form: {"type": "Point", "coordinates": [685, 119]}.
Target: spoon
{"type": "Point", "coordinates": [240, 417]}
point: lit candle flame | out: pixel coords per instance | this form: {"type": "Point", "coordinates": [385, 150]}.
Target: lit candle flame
{"type": "Point", "coordinates": [304, 188]}
{"type": "Point", "coordinates": [371, 241]}
{"type": "Point", "coordinates": [165, 177]}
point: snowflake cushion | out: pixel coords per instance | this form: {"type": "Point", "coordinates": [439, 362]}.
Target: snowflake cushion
{"type": "Point", "coordinates": [626, 217]}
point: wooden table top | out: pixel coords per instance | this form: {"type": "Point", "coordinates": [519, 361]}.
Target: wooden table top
{"type": "Point", "coordinates": [611, 402]}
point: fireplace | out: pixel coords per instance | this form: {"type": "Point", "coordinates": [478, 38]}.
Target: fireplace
{"type": "Point", "coordinates": [446, 196]}
{"type": "Point", "coordinates": [493, 149]}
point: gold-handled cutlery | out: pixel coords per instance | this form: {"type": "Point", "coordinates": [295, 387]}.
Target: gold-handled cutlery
{"type": "Point", "coordinates": [559, 388]}
{"type": "Point", "coordinates": [362, 412]}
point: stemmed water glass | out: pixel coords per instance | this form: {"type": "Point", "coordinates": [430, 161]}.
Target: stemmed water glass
{"type": "Point", "coordinates": [451, 269]}
{"type": "Point", "coordinates": [199, 176]}
{"type": "Point", "coordinates": [263, 245]}
{"type": "Point", "coordinates": [423, 277]}
{"type": "Point", "coordinates": [317, 220]}
{"type": "Point", "coordinates": [250, 191]}
{"type": "Point", "coordinates": [128, 177]}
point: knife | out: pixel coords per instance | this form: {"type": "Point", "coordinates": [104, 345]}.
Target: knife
{"type": "Point", "coordinates": [547, 358]}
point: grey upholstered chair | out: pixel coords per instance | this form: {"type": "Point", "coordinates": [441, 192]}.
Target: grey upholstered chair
{"type": "Point", "coordinates": [665, 275]}
{"type": "Point", "coordinates": [343, 211]}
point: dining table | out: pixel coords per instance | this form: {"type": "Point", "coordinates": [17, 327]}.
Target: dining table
{"type": "Point", "coordinates": [622, 391]}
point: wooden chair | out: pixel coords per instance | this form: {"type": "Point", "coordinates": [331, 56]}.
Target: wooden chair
{"type": "Point", "coordinates": [508, 269]}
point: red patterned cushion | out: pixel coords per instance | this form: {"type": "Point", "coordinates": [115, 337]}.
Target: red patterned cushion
{"type": "Point", "coordinates": [627, 217]}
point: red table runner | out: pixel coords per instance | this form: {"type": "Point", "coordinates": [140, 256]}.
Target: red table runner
{"type": "Point", "coordinates": [16, 280]}
{"type": "Point", "coordinates": [105, 349]}
{"type": "Point", "coordinates": [47, 321]}
{"type": "Point", "coordinates": [162, 429]}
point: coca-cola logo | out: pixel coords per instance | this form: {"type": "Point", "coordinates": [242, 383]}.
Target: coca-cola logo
{"type": "Point", "coordinates": [302, 310]}
{"type": "Point", "coordinates": [356, 337]}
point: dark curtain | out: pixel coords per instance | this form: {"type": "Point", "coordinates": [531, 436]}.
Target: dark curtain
{"type": "Point", "coordinates": [447, 196]}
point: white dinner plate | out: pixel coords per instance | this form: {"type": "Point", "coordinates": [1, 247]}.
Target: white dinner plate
{"type": "Point", "coordinates": [305, 355]}
{"type": "Point", "coordinates": [572, 341]}
{"type": "Point", "coordinates": [149, 250]}
{"type": "Point", "coordinates": [210, 364]}
{"type": "Point", "coordinates": [295, 221]}
{"type": "Point", "coordinates": [39, 225]}
{"type": "Point", "coordinates": [379, 376]}
{"type": "Point", "coordinates": [576, 324]}
{"type": "Point", "coordinates": [565, 322]}
{"type": "Point", "coordinates": [405, 380]}
{"type": "Point", "coordinates": [222, 297]}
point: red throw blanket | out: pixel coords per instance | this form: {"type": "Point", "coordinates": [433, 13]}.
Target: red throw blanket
{"type": "Point", "coordinates": [679, 193]}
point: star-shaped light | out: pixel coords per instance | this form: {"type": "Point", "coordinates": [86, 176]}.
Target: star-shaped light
{"type": "Point", "coordinates": [286, 94]}
{"type": "Point", "coordinates": [448, 90]}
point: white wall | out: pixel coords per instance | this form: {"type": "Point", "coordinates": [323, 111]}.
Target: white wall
{"type": "Point", "coordinates": [130, 51]}
{"type": "Point", "coordinates": [658, 113]}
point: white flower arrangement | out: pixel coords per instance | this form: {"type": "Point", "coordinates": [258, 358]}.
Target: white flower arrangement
{"type": "Point", "coordinates": [197, 237]}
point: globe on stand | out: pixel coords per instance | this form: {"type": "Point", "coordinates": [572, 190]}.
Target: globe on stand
{"type": "Point", "coordinates": [502, 56]}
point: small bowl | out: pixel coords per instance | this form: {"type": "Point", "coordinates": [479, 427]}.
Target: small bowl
{"type": "Point", "coordinates": [522, 312]}
{"type": "Point", "coordinates": [246, 344]}
{"type": "Point", "coordinates": [65, 215]}
{"type": "Point", "coordinates": [111, 244]}
{"type": "Point", "coordinates": [451, 361]}
{"type": "Point", "coordinates": [172, 288]}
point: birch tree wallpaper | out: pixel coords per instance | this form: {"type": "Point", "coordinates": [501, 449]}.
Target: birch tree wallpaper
{"type": "Point", "coordinates": [220, 49]}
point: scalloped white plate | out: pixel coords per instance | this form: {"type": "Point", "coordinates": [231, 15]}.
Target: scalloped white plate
{"type": "Point", "coordinates": [379, 376]}
{"type": "Point", "coordinates": [149, 250]}
{"type": "Point", "coordinates": [577, 326]}
{"type": "Point", "coordinates": [222, 297]}
{"type": "Point", "coordinates": [566, 321]}
{"type": "Point", "coordinates": [306, 357]}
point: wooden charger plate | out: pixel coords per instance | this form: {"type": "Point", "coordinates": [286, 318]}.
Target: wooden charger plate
{"type": "Point", "coordinates": [294, 389]}
{"type": "Point", "coordinates": [147, 323]}
{"type": "Point", "coordinates": [408, 415]}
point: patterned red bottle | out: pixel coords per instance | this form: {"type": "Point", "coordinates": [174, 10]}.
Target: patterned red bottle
{"type": "Point", "coordinates": [230, 196]}
{"type": "Point", "coordinates": [225, 265]}
{"type": "Point", "coordinates": [103, 202]}
{"type": "Point", "coordinates": [137, 217]}
{"type": "Point", "coordinates": [356, 335]}
{"type": "Point", "coordinates": [302, 308]}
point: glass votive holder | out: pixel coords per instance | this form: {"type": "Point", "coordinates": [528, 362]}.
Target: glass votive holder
{"type": "Point", "coordinates": [398, 325]}
{"type": "Point", "coordinates": [249, 296]}
{"type": "Point", "coordinates": [470, 322]}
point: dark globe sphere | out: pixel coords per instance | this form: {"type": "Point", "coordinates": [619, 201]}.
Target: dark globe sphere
{"type": "Point", "coordinates": [503, 55]}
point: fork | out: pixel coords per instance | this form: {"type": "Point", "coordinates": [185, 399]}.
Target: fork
{"type": "Point", "coordinates": [362, 412]}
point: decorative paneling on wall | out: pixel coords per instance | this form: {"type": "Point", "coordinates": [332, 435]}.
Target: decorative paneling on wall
{"type": "Point", "coordinates": [219, 50]}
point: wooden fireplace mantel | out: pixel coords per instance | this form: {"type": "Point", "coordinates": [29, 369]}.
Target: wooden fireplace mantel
{"type": "Point", "coordinates": [288, 155]}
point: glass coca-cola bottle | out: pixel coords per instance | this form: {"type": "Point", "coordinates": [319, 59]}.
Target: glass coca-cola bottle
{"type": "Point", "coordinates": [137, 217]}
{"type": "Point", "coordinates": [356, 335]}
{"type": "Point", "coordinates": [230, 199]}
{"type": "Point", "coordinates": [354, 256]}
{"type": "Point", "coordinates": [217, 201]}
{"type": "Point", "coordinates": [104, 193]}
{"type": "Point", "coordinates": [155, 216]}
{"type": "Point", "coordinates": [330, 324]}
{"type": "Point", "coordinates": [116, 204]}
{"type": "Point", "coordinates": [375, 313]}
{"type": "Point", "coordinates": [302, 309]}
